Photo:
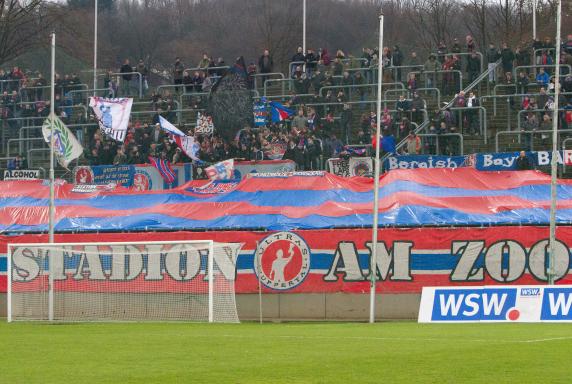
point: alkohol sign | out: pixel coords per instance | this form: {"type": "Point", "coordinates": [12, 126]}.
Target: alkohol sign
{"type": "Point", "coordinates": [308, 261]}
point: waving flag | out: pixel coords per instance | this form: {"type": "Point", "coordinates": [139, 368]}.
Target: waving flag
{"type": "Point", "coordinates": [278, 112]}
{"type": "Point", "coordinates": [221, 171]}
{"type": "Point", "coordinates": [66, 146]}
{"type": "Point", "coordinates": [112, 115]}
{"type": "Point", "coordinates": [169, 128]}
{"type": "Point", "coordinates": [187, 143]}
{"type": "Point", "coordinates": [164, 168]}
{"type": "Point", "coordinates": [189, 146]}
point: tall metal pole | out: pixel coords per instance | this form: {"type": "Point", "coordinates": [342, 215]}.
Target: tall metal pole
{"type": "Point", "coordinates": [373, 261]}
{"type": "Point", "coordinates": [95, 50]}
{"type": "Point", "coordinates": [52, 208]}
{"type": "Point", "coordinates": [304, 27]}
{"type": "Point", "coordinates": [553, 194]}
{"type": "Point", "coordinates": [534, 5]}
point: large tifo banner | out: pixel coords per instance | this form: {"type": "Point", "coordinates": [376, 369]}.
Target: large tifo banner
{"type": "Point", "coordinates": [328, 261]}
{"type": "Point", "coordinates": [528, 304]}
{"type": "Point", "coordinates": [141, 177]}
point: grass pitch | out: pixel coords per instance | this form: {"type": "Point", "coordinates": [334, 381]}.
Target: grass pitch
{"type": "Point", "coordinates": [291, 353]}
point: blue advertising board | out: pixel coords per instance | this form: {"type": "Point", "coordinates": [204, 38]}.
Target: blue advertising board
{"type": "Point", "coordinates": [496, 304]}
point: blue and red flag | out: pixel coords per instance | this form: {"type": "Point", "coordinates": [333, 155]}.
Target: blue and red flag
{"type": "Point", "coordinates": [223, 170]}
{"type": "Point", "coordinates": [278, 112]}
{"type": "Point", "coordinates": [164, 168]}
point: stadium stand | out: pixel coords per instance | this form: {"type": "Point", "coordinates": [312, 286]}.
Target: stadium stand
{"type": "Point", "coordinates": [458, 101]}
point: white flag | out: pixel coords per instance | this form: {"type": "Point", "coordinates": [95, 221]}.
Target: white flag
{"type": "Point", "coordinates": [186, 143]}
{"type": "Point", "coordinates": [169, 128]}
{"type": "Point", "coordinates": [66, 146]}
{"type": "Point", "coordinates": [112, 115]}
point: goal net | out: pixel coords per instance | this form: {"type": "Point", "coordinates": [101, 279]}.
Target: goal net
{"type": "Point", "coordinates": [138, 281]}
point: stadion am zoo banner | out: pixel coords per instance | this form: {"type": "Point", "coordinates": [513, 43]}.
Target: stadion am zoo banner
{"type": "Point", "coordinates": [141, 177]}
{"type": "Point", "coordinates": [331, 261]}
{"type": "Point", "coordinates": [524, 304]}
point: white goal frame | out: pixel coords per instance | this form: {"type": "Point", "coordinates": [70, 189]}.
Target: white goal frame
{"type": "Point", "coordinates": [210, 268]}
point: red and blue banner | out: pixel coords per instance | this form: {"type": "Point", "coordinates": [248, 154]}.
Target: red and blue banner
{"type": "Point", "coordinates": [407, 198]}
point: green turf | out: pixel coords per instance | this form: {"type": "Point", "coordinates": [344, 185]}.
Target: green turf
{"type": "Point", "coordinates": [292, 353]}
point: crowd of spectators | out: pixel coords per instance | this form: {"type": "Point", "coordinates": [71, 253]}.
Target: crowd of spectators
{"type": "Point", "coordinates": [326, 119]}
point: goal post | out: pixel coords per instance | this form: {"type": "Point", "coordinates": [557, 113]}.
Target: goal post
{"type": "Point", "coordinates": [123, 281]}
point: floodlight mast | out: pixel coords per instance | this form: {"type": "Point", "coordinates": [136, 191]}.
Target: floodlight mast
{"type": "Point", "coordinates": [373, 264]}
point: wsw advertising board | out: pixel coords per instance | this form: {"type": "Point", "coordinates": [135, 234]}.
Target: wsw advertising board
{"type": "Point", "coordinates": [315, 261]}
{"type": "Point", "coordinates": [528, 304]}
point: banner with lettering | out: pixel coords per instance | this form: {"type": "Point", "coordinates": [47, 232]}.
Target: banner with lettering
{"type": "Point", "coordinates": [507, 161]}
{"type": "Point", "coordinates": [522, 304]}
{"type": "Point", "coordinates": [321, 261]}
{"type": "Point", "coordinates": [141, 177]}
{"type": "Point", "coordinates": [423, 161]}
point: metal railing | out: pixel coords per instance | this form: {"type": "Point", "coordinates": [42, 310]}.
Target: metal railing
{"type": "Point", "coordinates": [548, 132]}
{"type": "Point", "coordinates": [395, 68]}
{"type": "Point", "coordinates": [27, 143]}
{"type": "Point", "coordinates": [345, 62]}
{"type": "Point", "coordinates": [374, 86]}
{"type": "Point", "coordinates": [437, 141]}
{"type": "Point", "coordinates": [538, 66]}
{"type": "Point", "coordinates": [207, 69]}
{"type": "Point", "coordinates": [418, 90]}
{"type": "Point", "coordinates": [426, 123]}
{"type": "Point", "coordinates": [529, 94]}
{"type": "Point", "coordinates": [538, 110]}
{"type": "Point", "coordinates": [265, 76]}
{"type": "Point", "coordinates": [120, 75]}
{"type": "Point", "coordinates": [461, 54]}
{"type": "Point", "coordinates": [88, 93]}
{"type": "Point", "coordinates": [5, 84]}
{"type": "Point", "coordinates": [482, 119]}
{"type": "Point", "coordinates": [282, 83]}
{"type": "Point", "coordinates": [435, 73]}
{"type": "Point", "coordinates": [30, 158]}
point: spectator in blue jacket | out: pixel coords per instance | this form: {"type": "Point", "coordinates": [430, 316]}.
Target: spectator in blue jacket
{"type": "Point", "coordinates": [542, 78]}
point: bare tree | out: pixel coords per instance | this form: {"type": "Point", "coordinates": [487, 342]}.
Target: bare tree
{"type": "Point", "coordinates": [22, 25]}
{"type": "Point", "coordinates": [477, 20]}
{"type": "Point", "coordinates": [434, 20]}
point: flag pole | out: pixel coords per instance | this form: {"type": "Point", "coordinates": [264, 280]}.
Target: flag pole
{"type": "Point", "coordinates": [95, 51]}
{"type": "Point", "coordinates": [553, 169]}
{"type": "Point", "coordinates": [373, 263]}
{"type": "Point", "coordinates": [534, 19]}
{"type": "Point", "coordinates": [52, 208]}
{"type": "Point", "coordinates": [303, 27]}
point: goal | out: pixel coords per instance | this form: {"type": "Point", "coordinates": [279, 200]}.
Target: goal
{"type": "Point", "coordinates": [135, 281]}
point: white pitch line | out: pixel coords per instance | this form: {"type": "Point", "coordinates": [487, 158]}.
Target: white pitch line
{"type": "Point", "coordinates": [413, 339]}
{"type": "Point", "coordinates": [548, 339]}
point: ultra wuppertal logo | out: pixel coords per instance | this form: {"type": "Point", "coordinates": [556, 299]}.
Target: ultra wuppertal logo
{"type": "Point", "coordinates": [282, 261]}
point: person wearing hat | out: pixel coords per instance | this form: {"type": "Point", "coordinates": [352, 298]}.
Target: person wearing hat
{"type": "Point", "coordinates": [430, 67]}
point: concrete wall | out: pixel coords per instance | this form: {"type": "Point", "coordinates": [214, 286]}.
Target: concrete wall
{"type": "Point", "coordinates": [316, 306]}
